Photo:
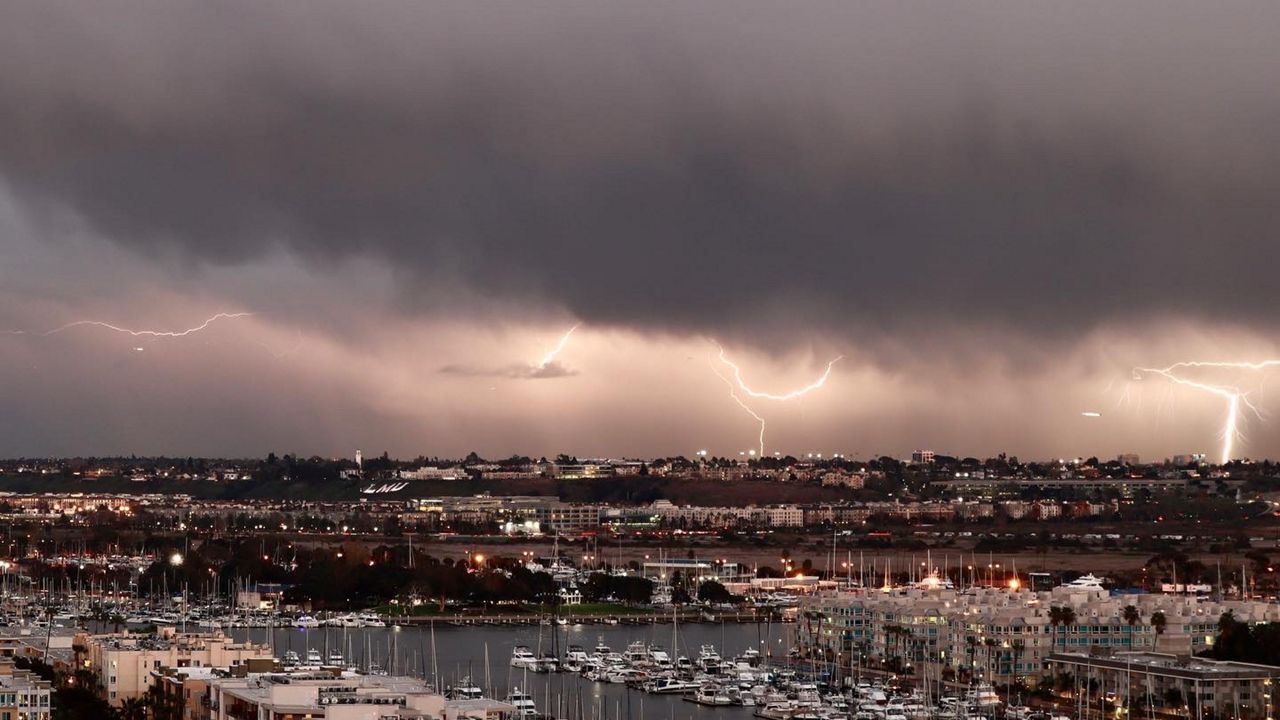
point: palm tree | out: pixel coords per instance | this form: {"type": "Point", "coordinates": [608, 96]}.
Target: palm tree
{"type": "Point", "coordinates": [990, 644]}
{"type": "Point", "coordinates": [1018, 647]}
{"type": "Point", "coordinates": [893, 645]}
{"type": "Point", "coordinates": [1060, 617]}
{"type": "Point", "coordinates": [133, 709]}
{"type": "Point", "coordinates": [1158, 623]}
{"type": "Point", "coordinates": [1131, 616]}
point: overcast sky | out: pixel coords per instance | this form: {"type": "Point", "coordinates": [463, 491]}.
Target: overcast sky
{"type": "Point", "coordinates": [993, 211]}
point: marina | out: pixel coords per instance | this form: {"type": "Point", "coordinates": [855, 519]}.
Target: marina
{"type": "Point", "coordinates": [630, 671]}
{"type": "Point", "coordinates": [597, 674]}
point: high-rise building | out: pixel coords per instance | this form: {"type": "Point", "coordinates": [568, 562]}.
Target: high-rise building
{"type": "Point", "coordinates": [922, 457]}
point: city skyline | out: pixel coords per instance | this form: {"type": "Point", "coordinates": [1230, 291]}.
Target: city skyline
{"type": "Point", "coordinates": [230, 231]}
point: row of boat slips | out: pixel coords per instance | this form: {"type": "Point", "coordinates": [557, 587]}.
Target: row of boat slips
{"type": "Point", "coordinates": [747, 680]}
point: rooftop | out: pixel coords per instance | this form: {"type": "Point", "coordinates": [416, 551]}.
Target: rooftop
{"type": "Point", "coordinates": [1191, 668]}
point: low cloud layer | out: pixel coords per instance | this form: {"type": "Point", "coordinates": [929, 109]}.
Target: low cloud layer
{"type": "Point", "coordinates": [511, 372]}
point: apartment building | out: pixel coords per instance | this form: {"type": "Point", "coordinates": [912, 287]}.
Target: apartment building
{"type": "Point", "coordinates": [124, 662]}
{"type": "Point", "coordinates": [1171, 684]}
{"type": "Point", "coordinates": [23, 695]}
{"type": "Point", "coordinates": [514, 512]}
{"type": "Point", "coordinates": [1003, 634]}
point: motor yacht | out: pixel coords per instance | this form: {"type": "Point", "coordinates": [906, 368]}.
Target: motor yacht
{"type": "Point", "coordinates": [523, 659]}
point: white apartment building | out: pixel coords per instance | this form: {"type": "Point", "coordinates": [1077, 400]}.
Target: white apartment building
{"type": "Point", "coordinates": [23, 695]}
{"type": "Point", "coordinates": [435, 473]}
{"type": "Point", "coordinates": [1000, 634]}
{"type": "Point", "coordinates": [706, 515]}
{"type": "Point", "coordinates": [785, 516]}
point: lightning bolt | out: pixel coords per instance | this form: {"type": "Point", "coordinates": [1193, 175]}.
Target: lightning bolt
{"type": "Point", "coordinates": [147, 333]}
{"type": "Point", "coordinates": [550, 357]}
{"type": "Point", "coordinates": [733, 393]}
{"type": "Point", "coordinates": [737, 384]}
{"type": "Point", "coordinates": [737, 376]}
{"type": "Point", "coordinates": [1236, 398]}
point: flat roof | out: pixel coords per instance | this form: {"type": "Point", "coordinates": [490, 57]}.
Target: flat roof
{"type": "Point", "coordinates": [1191, 668]}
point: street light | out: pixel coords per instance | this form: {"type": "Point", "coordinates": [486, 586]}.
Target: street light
{"type": "Point", "coordinates": [176, 559]}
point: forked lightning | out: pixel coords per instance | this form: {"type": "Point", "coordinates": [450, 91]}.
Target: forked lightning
{"type": "Point", "coordinates": [147, 333]}
{"type": "Point", "coordinates": [737, 384]}
{"type": "Point", "coordinates": [1235, 397]}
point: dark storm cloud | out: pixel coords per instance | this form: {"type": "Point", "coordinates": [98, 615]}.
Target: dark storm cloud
{"type": "Point", "coordinates": [730, 169]}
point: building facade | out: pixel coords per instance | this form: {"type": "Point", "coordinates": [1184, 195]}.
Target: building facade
{"type": "Point", "coordinates": [1005, 635]}
{"type": "Point", "coordinates": [124, 662]}
{"type": "Point", "coordinates": [23, 695]}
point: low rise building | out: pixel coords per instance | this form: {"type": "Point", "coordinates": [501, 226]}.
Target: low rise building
{"type": "Point", "coordinates": [1171, 684]}
{"type": "Point", "coordinates": [124, 662]}
{"type": "Point", "coordinates": [341, 696]}
{"type": "Point", "coordinates": [23, 695]}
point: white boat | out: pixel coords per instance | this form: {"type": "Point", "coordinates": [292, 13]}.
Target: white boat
{"type": "Point", "coordinates": [781, 599]}
{"type": "Point", "coordinates": [335, 658]}
{"type": "Point", "coordinates": [523, 659]}
{"type": "Point", "coordinates": [983, 696]}
{"type": "Point", "coordinates": [624, 675]}
{"type": "Point", "coordinates": [782, 710]}
{"type": "Point", "coordinates": [547, 664]}
{"type": "Point", "coordinates": [670, 686]}
{"type": "Point", "coordinates": [709, 659]}
{"type": "Point", "coordinates": [1086, 582]}
{"type": "Point", "coordinates": [523, 703]}
{"type": "Point", "coordinates": [575, 659]}
{"type": "Point", "coordinates": [637, 653]}
{"type": "Point", "coordinates": [466, 690]}
{"type": "Point", "coordinates": [711, 694]}
{"type": "Point", "coordinates": [314, 657]}
{"type": "Point", "coordinates": [291, 658]}
{"type": "Point", "coordinates": [306, 621]}
{"type": "Point", "coordinates": [369, 619]}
